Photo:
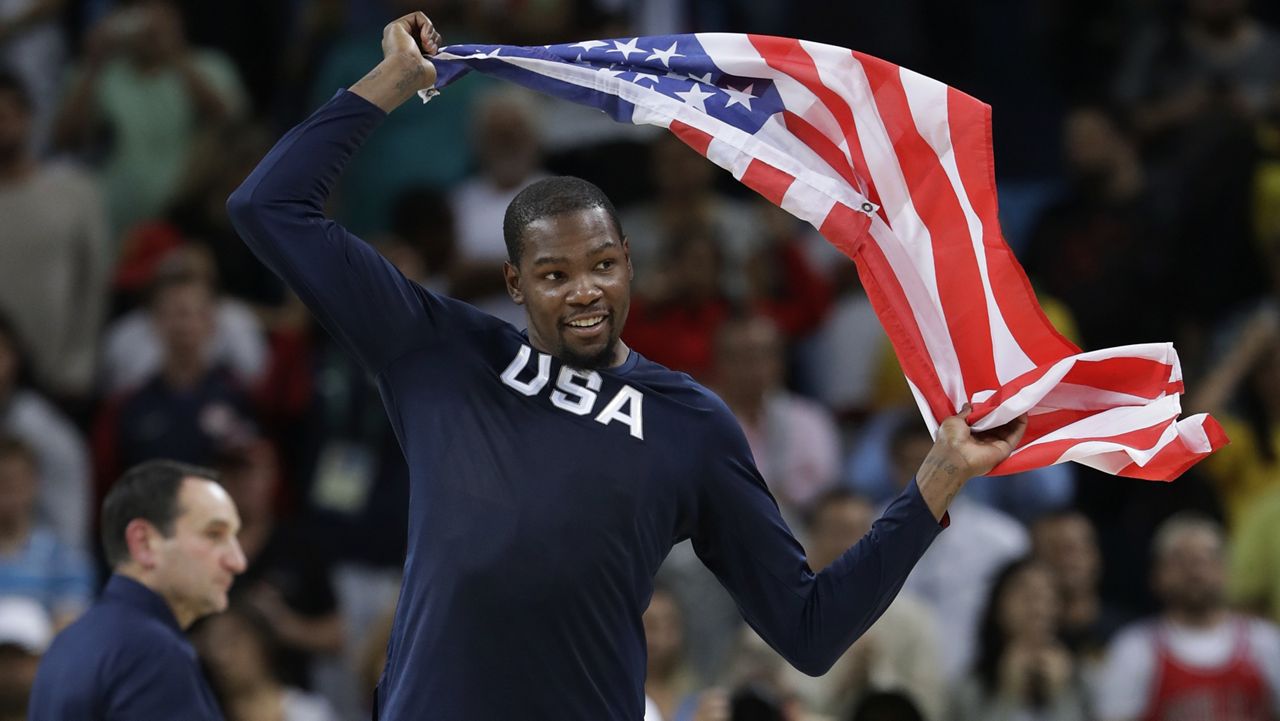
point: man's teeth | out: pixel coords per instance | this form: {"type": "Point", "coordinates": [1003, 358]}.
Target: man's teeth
{"type": "Point", "coordinates": [586, 322]}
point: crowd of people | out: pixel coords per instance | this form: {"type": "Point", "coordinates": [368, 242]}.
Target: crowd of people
{"type": "Point", "coordinates": [1138, 161]}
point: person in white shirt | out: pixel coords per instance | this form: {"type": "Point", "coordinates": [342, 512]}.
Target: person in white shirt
{"type": "Point", "coordinates": [1197, 660]}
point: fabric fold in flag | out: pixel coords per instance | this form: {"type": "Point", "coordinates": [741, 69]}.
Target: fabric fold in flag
{"type": "Point", "coordinates": [896, 170]}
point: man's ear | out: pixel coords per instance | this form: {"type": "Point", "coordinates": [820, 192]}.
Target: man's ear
{"type": "Point", "coordinates": [140, 537]}
{"type": "Point", "coordinates": [512, 275]}
{"type": "Point", "coordinates": [626, 253]}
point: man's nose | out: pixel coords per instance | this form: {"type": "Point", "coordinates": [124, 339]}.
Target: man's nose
{"type": "Point", "coordinates": [584, 292]}
{"type": "Point", "coordinates": [235, 560]}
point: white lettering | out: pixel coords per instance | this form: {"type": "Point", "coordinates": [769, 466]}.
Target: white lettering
{"type": "Point", "coordinates": [634, 418]}
{"type": "Point", "coordinates": [583, 399]}
{"type": "Point", "coordinates": [519, 363]}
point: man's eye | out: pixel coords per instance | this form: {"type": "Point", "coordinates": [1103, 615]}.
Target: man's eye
{"type": "Point", "coordinates": [554, 275]}
{"type": "Point", "coordinates": [606, 264]}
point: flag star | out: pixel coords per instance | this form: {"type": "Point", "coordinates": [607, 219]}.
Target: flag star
{"type": "Point", "coordinates": [676, 76]}
{"type": "Point", "coordinates": [645, 76]}
{"type": "Point", "coordinates": [702, 78]}
{"type": "Point", "coordinates": [665, 55]}
{"type": "Point", "coordinates": [740, 97]}
{"type": "Point", "coordinates": [625, 49]}
{"type": "Point", "coordinates": [696, 97]}
{"type": "Point", "coordinates": [609, 73]}
{"type": "Point", "coordinates": [492, 53]}
{"type": "Point", "coordinates": [589, 44]}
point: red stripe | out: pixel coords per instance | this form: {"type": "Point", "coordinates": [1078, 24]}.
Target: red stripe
{"type": "Point", "coordinates": [823, 146]}
{"type": "Point", "coordinates": [691, 136]}
{"type": "Point", "coordinates": [845, 228]}
{"type": "Point", "coordinates": [788, 56]}
{"type": "Point", "coordinates": [934, 198]}
{"type": "Point", "coordinates": [970, 122]}
{"type": "Point", "coordinates": [767, 181]}
{"type": "Point", "coordinates": [1046, 453]}
{"type": "Point", "coordinates": [1140, 377]}
{"type": "Point", "coordinates": [1174, 459]}
{"type": "Point", "coordinates": [1042, 424]}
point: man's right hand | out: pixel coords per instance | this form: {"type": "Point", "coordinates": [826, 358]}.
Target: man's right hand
{"type": "Point", "coordinates": [404, 69]}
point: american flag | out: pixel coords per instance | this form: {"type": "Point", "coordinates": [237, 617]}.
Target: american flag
{"type": "Point", "coordinates": [895, 169]}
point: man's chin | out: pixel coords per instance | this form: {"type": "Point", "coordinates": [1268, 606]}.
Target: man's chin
{"type": "Point", "coordinates": [589, 357]}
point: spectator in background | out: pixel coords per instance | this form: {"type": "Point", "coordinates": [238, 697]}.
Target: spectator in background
{"type": "Point", "coordinates": [34, 563]}
{"type": "Point", "coordinates": [54, 255]}
{"type": "Point", "coordinates": [63, 499]}
{"type": "Point", "coordinates": [1022, 670]}
{"type": "Point", "coordinates": [32, 46]}
{"type": "Point", "coordinates": [25, 632]}
{"type": "Point", "coordinates": [237, 648]}
{"type": "Point", "coordinates": [870, 469]}
{"type": "Point", "coordinates": [669, 682]}
{"type": "Point", "coordinates": [686, 199]}
{"type": "Point", "coordinates": [187, 410]}
{"type": "Point", "coordinates": [955, 575]}
{"type": "Point", "coordinates": [1093, 249]}
{"type": "Point", "coordinates": [407, 151]}
{"type": "Point", "coordinates": [138, 102]}
{"type": "Point", "coordinates": [1254, 581]}
{"type": "Point", "coordinates": [793, 440]}
{"type": "Point", "coordinates": [1214, 57]}
{"type": "Point", "coordinates": [899, 653]}
{"type": "Point", "coordinates": [1197, 659]}
{"type": "Point", "coordinates": [287, 580]}
{"type": "Point", "coordinates": [1066, 544]}
{"type": "Point", "coordinates": [1242, 390]}
{"type": "Point", "coordinates": [133, 349]}
{"type": "Point", "coordinates": [508, 148]}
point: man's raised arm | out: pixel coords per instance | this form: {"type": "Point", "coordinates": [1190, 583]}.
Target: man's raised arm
{"type": "Point", "coordinates": [812, 619]}
{"type": "Point", "coordinates": [363, 301]}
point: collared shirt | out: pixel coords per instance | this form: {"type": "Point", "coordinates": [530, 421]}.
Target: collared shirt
{"type": "Point", "coordinates": [125, 659]}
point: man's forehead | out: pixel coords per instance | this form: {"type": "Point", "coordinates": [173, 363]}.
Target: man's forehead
{"type": "Point", "coordinates": [203, 501]}
{"type": "Point", "coordinates": [584, 230]}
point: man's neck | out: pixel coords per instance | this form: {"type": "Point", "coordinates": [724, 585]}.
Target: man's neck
{"type": "Point", "coordinates": [183, 373]}
{"type": "Point", "coordinates": [182, 615]}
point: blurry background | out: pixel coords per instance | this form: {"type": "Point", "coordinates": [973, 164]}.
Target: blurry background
{"type": "Point", "coordinates": [1138, 160]}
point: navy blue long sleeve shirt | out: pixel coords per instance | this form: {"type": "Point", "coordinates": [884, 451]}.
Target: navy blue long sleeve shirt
{"type": "Point", "coordinates": [125, 659]}
{"type": "Point", "coordinates": [543, 497]}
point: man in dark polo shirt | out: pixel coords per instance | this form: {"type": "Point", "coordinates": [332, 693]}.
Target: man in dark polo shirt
{"type": "Point", "coordinates": [169, 533]}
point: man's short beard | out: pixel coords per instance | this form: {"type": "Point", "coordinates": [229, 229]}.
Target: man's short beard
{"type": "Point", "coordinates": [601, 359]}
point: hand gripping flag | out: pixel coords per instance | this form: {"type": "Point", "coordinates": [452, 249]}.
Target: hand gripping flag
{"type": "Point", "coordinates": [894, 169]}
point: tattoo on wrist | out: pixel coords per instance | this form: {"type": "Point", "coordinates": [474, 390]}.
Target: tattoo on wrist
{"type": "Point", "coordinates": [409, 80]}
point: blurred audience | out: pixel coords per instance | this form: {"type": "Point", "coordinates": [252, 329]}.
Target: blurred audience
{"type": "Point", "coordinates": [793, 440]}
{"type": "Point", "coordinates": [1022, 670]}
{"type": "Point", "coordinates": [899, 653]}
{"type": "Point", "coordinates": [1197, 659]}
{"type": "Point", "coordinates": [955, 575]}
{"type": "Point", "coordinates": [236, 647]}
{"type": "Point", "coordinates": [137, 103]}
{"type": "Point", "coordinates": [187, 410]}
{"type": "Point", "coordinates": [1065, 543]}
{"type": "Point", "coordinates": [508, 149]}
{"type": "Point", "coordinates": [32, 46]}
{"type": "Point", "coordinates": [669, 682]}
{"type": "Point", "coordinates": [54, 254]}
{"type": "Point", "coordinates": [25, 633]}
{"type": "Point", "coordinates": [34, 563]}
{"type": "Point", "coordinates": [64, 497]}
{"type": "Point", "coordinates": [133, 349]}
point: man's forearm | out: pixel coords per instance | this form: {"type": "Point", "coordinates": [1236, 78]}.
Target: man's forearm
{"type": "Point", "coordinates": [392, 81]}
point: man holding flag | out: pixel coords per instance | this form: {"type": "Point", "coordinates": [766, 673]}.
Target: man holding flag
{"type": "Point", "coordinates": [552, 472]}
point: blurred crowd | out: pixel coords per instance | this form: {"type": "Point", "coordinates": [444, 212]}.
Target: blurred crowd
{"type": "Point", "coordinates": [1138, 160]}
